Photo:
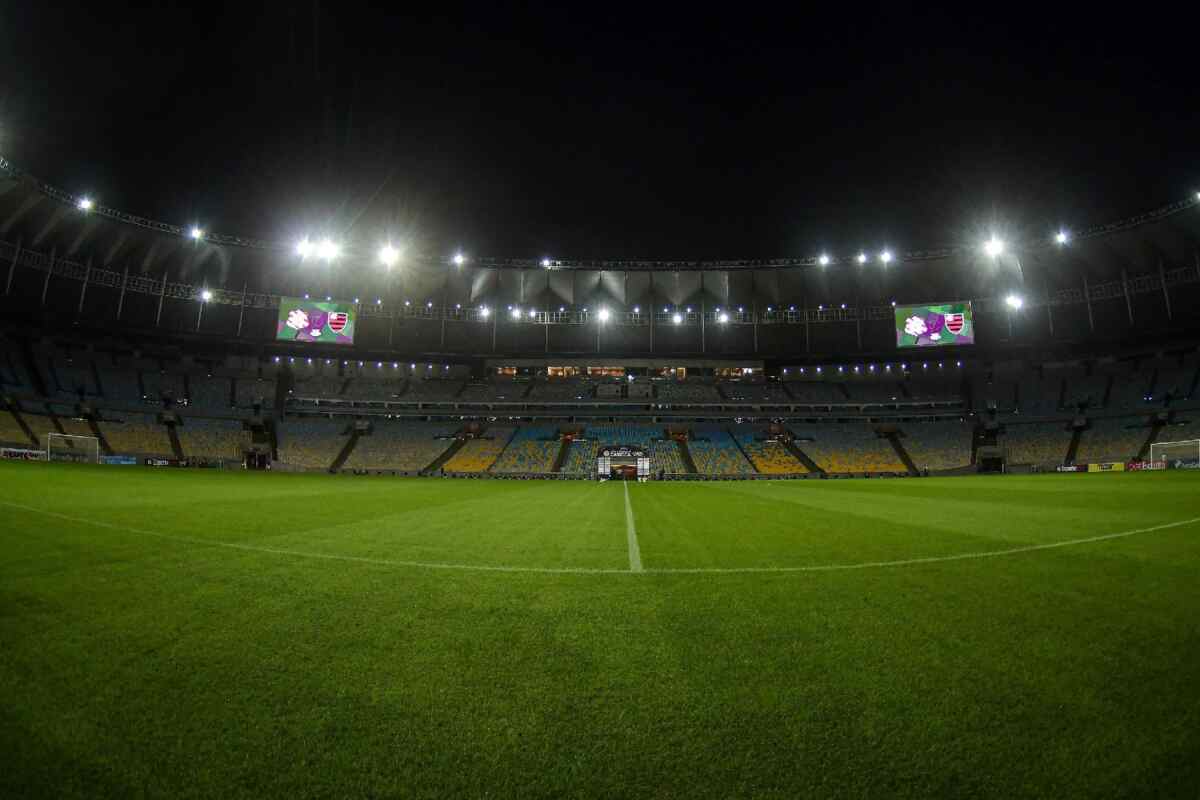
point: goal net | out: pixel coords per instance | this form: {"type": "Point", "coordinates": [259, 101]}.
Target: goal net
{"type": "Point", "coordinates": [1185, 453]}
{"type": "Point", "coordinates": [69, 447]}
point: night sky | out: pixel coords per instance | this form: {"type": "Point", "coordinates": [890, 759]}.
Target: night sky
{"type": "Point", "coordinates": [606, 131]}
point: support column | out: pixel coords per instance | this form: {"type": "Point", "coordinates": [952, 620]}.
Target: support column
{"type": "Point", "coordinates": [121, 298]}
{"type": "Point", "coordinates": [1128, 299]}
{"type": "Point", "coordinates": [162, 293]}
{"type": "Point", "coordinates": [1087, 298]}
{"type": "Point", "coordinates": [13, 267]}
{"type": "Point", "coordinates": [49, 273]}
{"type": "Point", "coordinates": [1162, 280]}
{"type": "Point", "coordinates": [241, 310]}
{"type": "Point", "coordinates": [87, 274]}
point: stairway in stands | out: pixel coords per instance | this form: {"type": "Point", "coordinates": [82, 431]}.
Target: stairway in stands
{"type": "Point", "coordinates": [803, 457]}
{"type": "Point", "coordinates": [446, 455]}
{"type": "Point", "coordinates": [348, 448]}
{"type": "Point", "coordinates": [902, 454]}
{"type": "Point", "coordinates": [686, 455]}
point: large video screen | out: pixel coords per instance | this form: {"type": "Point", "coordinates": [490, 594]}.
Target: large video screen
{"type": "Point", "coordinates": [315, 321]}
{"type": "Point", "coordinates": [935, 325]}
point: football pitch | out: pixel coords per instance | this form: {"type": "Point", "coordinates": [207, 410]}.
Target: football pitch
{"type": "Point", "coordinates": [179, 633]}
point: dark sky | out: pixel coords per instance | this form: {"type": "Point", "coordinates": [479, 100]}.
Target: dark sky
{"type": "Point", "coordinates": [606, 131]}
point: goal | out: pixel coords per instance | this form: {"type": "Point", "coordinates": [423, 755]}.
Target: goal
{"type": "Point", "coordinates": [69, 447]}
{"type": "Point", "coordinates": [1184, 453]}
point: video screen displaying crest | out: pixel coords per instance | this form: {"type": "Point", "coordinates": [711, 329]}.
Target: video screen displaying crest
{"type": "Point", "coordinates": [937, 325]}
{"type": "Point", "coordinates": [315, 321]}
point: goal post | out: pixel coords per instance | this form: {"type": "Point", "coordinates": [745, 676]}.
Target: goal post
{"type": "Point", "coordinates": [71, 447]}
{"type": "Point", "coordinates": [1185, 452]}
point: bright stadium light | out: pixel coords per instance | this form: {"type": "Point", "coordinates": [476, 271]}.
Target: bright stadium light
{"type": "Point", "coordinates": [723, 318]}
{"type": "Point", "coordinates": [637, 309]}
{"type": "Point", "coordinates": [516, 313]}
{"type": "Point", "coordinates": [328, 249]}
{"type": "Point", "coordinates": [886, 256]}
{"type": "Point", "coordinates": [85, 204]}
{"type": "Point", "coordinates": [196, 233]}
{"type": "Point", "coordinates": [823, 260]}
{"type": "Point", "coordinates": [532, 313]}
{"type": "Point", "coordinates": [1062, 237]}
{"type": "Point", "coordinates": [388, 255]}
{"type": "Point", "coordinates": [1014, 301]}
{"type": "Point", "coordinates": [862, 258]}
{"type": "Point", "coordinates": [545, 262]}
{"type": "Point", "coordinates": [459, 259]}
{"type": "Point", "coordinates": [676, 318]}
{"type": "Point", "coordinates": [206, 295]}
{"type": "Point", "coordinates": [304, 248]}
{"type": "Point", "coordinates": [993, 247]}
{"type": "Point", "coordinates": [483, 312]}
{"type": "Point", "coordinates": [604, 315]}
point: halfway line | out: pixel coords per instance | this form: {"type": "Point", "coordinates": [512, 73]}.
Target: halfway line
{"type": "Point", "coordinates": [635, 552]}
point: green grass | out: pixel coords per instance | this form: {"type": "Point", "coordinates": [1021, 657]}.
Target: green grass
{"type": "Point", "coordinates": [176, 665]}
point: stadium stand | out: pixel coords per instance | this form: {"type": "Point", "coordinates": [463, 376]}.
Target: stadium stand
{"type": "Point", "coordinates": [561, 390]}
{"type": "Point", "coordinates": [533, 448]}
{"type": "Point", "coordinates": [40, 425]}
{"type": "Point", "coordinates": [849, 449]}
{"type": "Point", "coordinates": [817, 392]}
{"type": "Point", "coordinates": [162, 385]}
{"type": "Point", "coordinates": [209, 394]}
{"type": "Point", "coordinates": [1112, 439]}
{"type": "Point", "coordinates": [478, 455]}
{"type": "Point", "coordinates": [715, 452]}
{"type": "Point", "coordinates": [665, 457]}
{"type": "Point", "coordinates": [136, 434]}
{"type": "Point", "coordinates": [692, 390]}
{"type": "Point", "coordinates": [768, 457]}
{"type": "Point", "coordinates": [407, 446]}
{"type": "Point", "coordinates": [938, 445]}
{"type": "Point", "coordinates": [211, 438]}
{"type": "Point", "coordinates": [255, 391]}
{"type": "Point", "coordinates": [432, 389]}
{"type": "Point", "coordinates": [740, 392]}
{"type": "Point", "coordinates": [311, 443]}
{"type": "Point", "coordinates": [1036, 443]}
{"type": "Point", "coordinates": [120, 387]}
{"type": "Point", "coordinates": [11, 433]}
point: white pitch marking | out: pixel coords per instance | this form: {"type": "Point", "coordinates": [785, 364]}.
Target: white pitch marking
{"type": "Point", "coordinates": [635, 552]}
{"type": "Point", "coordinates": [601, 571]}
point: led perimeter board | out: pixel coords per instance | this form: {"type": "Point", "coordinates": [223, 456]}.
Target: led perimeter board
{"type": "Point", "coordinates": [315, 321]}
{"type": "Point", "coordinates": [935, 325]}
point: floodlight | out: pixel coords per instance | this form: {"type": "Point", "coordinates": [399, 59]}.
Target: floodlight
{"type": "Point", "coordinates": [1014, 301]}
{"type": "Point", "coordinates": [993, 246]}
{"type": "Point", "coordinates": [429, 304]}
{"type": "Point", "coordinates": [85, 204]}
{"type": "Point", "coordinates": [637, 309]}
{"type": "Point", "coordinates": [676, 318]}
{"type": "Point", "coordinates": [545, 262]}
{"type": "Point", "coordinates": [304, 248]}
{"type": "Point", "coordinates": [516, 313]}
{"type": "Point", "coordinates": [886, 256]}
{"type": "Point", "coordinates": [206, 295]}
{"type": "Point", "coordinates": [532, 313]}
{"type": "Point", "coordinates": [459, 259]}
{"type": "Point", "coordinates": [328, 249]}
{"type": "Point", "coordinates": [378, 301]}
{"type": "Point", "coordinates": [723, 318]}
{"type": "Point", "coordinates": [604, 315]}
{"type": "Point", "coordinates": [823, 260]}
{"type": "Point", "coordinates": [483, 312]}
{"type": "Point", "coordinates": [1062, 237]}
{"type": "Point", "coordinates": [196, 233]}
{"type": "Point", "coordinates": [388, 255]}
{"type": "Point", "coordinates": [862, 258]}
